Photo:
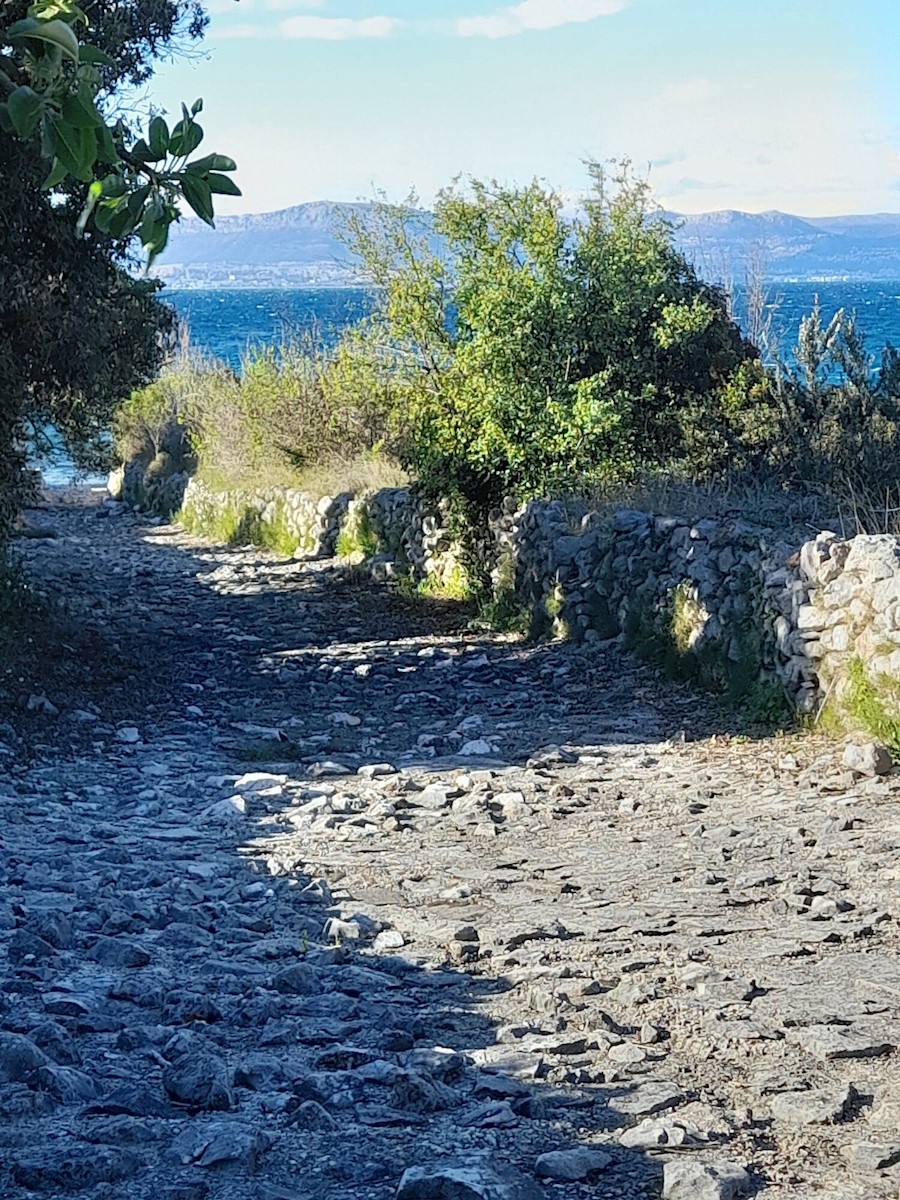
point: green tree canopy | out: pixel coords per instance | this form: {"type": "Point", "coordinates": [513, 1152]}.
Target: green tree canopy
{"type": "Point", "coordinates": [78, 328]}
{"type": "Point", "coordinates": [532, 351]}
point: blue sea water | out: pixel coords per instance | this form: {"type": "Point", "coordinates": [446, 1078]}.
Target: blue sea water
{"type": "Point", "coordinates": [229, 322]}
{"type": "Point", "coordinates": [226, 323]}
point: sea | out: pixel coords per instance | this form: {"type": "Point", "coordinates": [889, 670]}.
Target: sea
{"type": "Point", "coordinates": [227, 324]}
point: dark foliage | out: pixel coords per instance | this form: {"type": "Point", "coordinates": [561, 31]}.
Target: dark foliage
{"type": "Point", "coordinates": [77, 330]}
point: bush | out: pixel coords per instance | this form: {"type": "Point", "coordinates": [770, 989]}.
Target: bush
{"type": "Point", "coordinates": [518, 351]}
{"type": "Point", "coordinates": [839, 416]}
{"type": "Point", "coordinates": [289, 413]}
{"type": "Point", "coordinates": [529, 353]}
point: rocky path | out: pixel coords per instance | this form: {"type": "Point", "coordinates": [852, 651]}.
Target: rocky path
{"type": "Point", "coordinates": [310, 892]}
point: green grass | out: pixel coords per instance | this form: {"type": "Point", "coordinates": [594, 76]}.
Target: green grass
{"type": "Point", "coordinates": [275, 534]}
{"type": "Point", "coordinates": [505, 613]}
{"type": "Point", "coordinates": [237, 523]}
{"type": "Point", "coordinates": [864, 706]}
{"type": "Point", "coordinates": [666, 636]}
{"type": "Point", "coordinates": [451, 585]}
{"type": "Point", "coordinates": [686, 613]}
{"type": "Point", "coordinates": [357, 536]}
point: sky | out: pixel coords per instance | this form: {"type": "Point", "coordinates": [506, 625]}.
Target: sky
{"type": "Point", "coordinates": [747, 104]}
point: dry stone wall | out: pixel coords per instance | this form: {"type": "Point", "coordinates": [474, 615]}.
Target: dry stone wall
{"type": "Point", "coordinates": [774, 623]}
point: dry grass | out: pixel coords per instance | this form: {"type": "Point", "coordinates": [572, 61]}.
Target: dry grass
{"type": "Point", "coordinates": [871, 512]}
{"type": "Point", "coordinates": [804, 512]}
{"type": "Point", "coordinates": [365, 473]}
{"type": "Point", "coordinates": [290, 418]}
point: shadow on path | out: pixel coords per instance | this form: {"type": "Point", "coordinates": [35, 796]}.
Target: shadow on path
{"type": "Point", "coordinates": [190, 1008]}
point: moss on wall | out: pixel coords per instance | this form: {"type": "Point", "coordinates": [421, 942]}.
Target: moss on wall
{"type": "Point", "coordinates": [358, 537]}
{"type": "Point", "coordinates": [670, 631]}
{"type": "Point", "coordinates": [868, 704]}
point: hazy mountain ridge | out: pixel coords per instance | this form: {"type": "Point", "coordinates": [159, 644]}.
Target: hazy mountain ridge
{"type": "Point", "coordinates": [301, 246]}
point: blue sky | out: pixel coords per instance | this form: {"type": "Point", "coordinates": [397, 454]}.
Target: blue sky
{"type": "Point", "coordinates": [753, 104]}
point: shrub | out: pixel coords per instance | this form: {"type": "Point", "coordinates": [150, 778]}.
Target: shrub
{"type": "Point", "coordinates": [529, 353]}
{"type": "Point", "coordinates": [291, 410]}
{"type": "Point", "coordinates": [839, 416]}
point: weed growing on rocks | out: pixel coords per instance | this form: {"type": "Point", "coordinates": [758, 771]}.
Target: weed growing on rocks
{"type": "Point", "coordinates": [864, 706]}
{"type": "Point", "coordinates": [357, 537]}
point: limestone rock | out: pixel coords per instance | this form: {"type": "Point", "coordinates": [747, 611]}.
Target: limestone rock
{"type": "Point", "coordinates": [867, 759]}
{"type": "Point", "coordinates": [687, 1179]}
{"type": "Point", "coordinates": [199, 1081]}
{"type": "Point", "coordinates": [819, 1106]}
{"type": "Point", "coordinates": [473, 1180]}
{"type": "Point", "coordinates": [830, 1042]}
{"type": "Point", "coordinates": [646, 1099]}
{"type": "Point", "coordinates": [569, 1166]}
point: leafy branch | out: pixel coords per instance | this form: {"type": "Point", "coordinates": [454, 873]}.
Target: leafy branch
{"type": "Point", "coordinates": [52, 81]}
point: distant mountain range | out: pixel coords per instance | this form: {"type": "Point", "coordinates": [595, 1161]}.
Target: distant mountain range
{"type": "Point", "coordinates": [300, 247]}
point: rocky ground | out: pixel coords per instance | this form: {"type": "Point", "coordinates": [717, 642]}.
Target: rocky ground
{"type": "Point", "coordinates": [311, 891]}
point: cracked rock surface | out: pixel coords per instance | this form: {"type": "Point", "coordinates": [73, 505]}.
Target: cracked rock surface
{"type": "Point", "coordinates": [312, 891]}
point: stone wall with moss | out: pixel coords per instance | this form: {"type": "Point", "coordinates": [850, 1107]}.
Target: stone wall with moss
{"type": "Point", "coordinates": [390, 531]}
{"type": "Point", "coordinates": [710, 600]}
{"type": "Point", "coordinates": [776, 626]}
{"type": "Point", "coordinates": [849, 627]}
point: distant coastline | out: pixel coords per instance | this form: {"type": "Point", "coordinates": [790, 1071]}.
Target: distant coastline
{"type": "Point", "coordinates": [303, 248]}
{"type": "Point", "coordinates": [354, 285]}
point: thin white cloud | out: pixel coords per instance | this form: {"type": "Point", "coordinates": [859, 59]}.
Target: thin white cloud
{"type": "Point", "coordinates": [532, 15]}
{"type": "Point", "coordinates": [281, 5]}
{"type": "Point", "coordinates": [339, 29]}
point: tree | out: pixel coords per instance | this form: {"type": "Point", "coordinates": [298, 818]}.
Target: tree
{"type": "Point", "coordinates": [78, 328]}
{"type": "Point", "coordinates": [532, 352]}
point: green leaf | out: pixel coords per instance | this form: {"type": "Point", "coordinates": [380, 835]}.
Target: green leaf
{"type": "Point", "coordinates": [79, 110]}
{"type": "Point", "coordinates": [57, 174]}
{"type": "Point", "coordinates": [56, 33]}
{"type": "Point", "coordinates": [155, 227]}
{"type": "Point", "coordinates": [103, 216]}
{"type": "Point", "coordinates": [159, 138]}
{"type": "Point", "coordinates": [196, 107]}
{"type": "Point", "coordinates": [24, 106]}
{"type": "Point", "coordinates": [198, 194]}
{"type": "Point", "coordinates": [95, 57]}
{"type": "Point", "coordinates": [136, 201]}
{"type": "Point", "coordinates": [121, 223]}
{"type": "Point", "coordinates": [114, 186]}
{"type": "Point", "coordinates": [155, 248]}
{"type": "Point", "coordinates": [212, 162]}
{"type": "Point", "coordinates": [141, 150]}
{"type": "Point", "coordinates": [75, 148]}
{"type": "Point", "coordinates": [106, 147]}
{"type": "Point", "coordinates": [5, 123]}
{"type": "Point", "coordinates": [186, 137]}
{"type": "Point", "coordinates": [221, 185]}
